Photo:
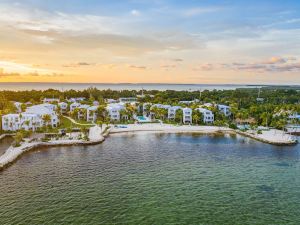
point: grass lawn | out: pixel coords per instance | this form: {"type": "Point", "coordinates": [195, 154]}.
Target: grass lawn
{"type": "Point", "coordinates": [66, 123]}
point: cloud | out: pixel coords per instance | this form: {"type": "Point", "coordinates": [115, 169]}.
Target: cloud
{"type": "Point", "coordinates": [274, 64]}
{"type": "Point", "coordinates": [204, 67]}
{"type": "Point", "coordinates": [178, 60]}
{"type": "Point", "coordinates": [199, 11]}
{"type": "Point", "coordinates": [79, 64]}
{"type": "Point", "coordinates": [276, 60]}
{"type": "Point", "coordinates": [167, 67]}
{"type": "Point", "coordinates": [135, 12]}
{"type": "Point", "coordinates": [4, 74]}
{"type": "Point", "coordinates": [32, 28]}
{"type": "Point", "coordinates": [137, 67]}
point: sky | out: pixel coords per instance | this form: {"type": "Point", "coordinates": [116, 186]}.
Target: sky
{"type": "Point", "coordinates": [150, 41]}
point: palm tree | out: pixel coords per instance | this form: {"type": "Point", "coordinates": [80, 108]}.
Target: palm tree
{"type": "Point", "coordinates": [101, 112]}
{"type": "Point", "coordinates": [47, 119]}
{"type": "Point", "coordinates": [178, 116]}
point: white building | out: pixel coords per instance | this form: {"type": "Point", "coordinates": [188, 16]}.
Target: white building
{"type": "Point", "coordinates": [78, 99]}
{"type": "Point", "coordinates": [82, 113]}
{"type": "Point", "coordinates": [63, 107]}
{"type": "Point", "coordinates": [31, 119]}
{"type": "Point", "coordinates": [18, 106]}
{"type": "Point", "coordinates": [208, 104]}
{"type": "Point", "coordinates": [128, 100]}
{"type": "Point", "coordinates": [42, 110]}
{"type": "Point", "coordinates": [114, 111]}
{"type": "Point", "coordinates": [189, 102]}
{"type": "Point", "coordinates": [91, 114]}
{"type": "Point", "coordinates": [51, 107]}
{"type": "Point", "coordinates": [207, 115]}
{"type": "Point", "coordinates": [11, 122]}
{"type": "Point", "coordinates": [51, 100]}
{"type": "Point", "coordinates": [172, 112]}
{"type": "Point", "coordinates": [187, 115]}
{"type": "Point", "coordinates": [74, 106]}
{"type": "Point", "coordinates": [110, 101]}
{"type": "Point", "coordinates": [224, 109]}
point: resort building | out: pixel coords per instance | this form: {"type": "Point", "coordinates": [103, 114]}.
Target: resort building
{"type": "Point", "coordinates": [78, 99]}
{"type": "Point", "coordinates": [63, 107]}
{"type": "Point", "coordinates": [187, 115]}
{"type": "Point", "coordinates": [207, 115]}
{"type": "Point", "coordinates": [172, 112]}
{"type": "Point", "coordinates": [74, 106]}
{"type": "Point", "coordinates": [31, 119]}
{"type": "Point", "coordinates": [51, 100]}
{"type": "Point", "coordinates": [114, 111]}
{"type": "Point", "coordinates": [18, 106]}
{"type": "Point", "coordinates": [11, 122]}
{"type": "Point", "coordinates": [128, 100]}
{"type": "Point", "coordinates": [51, 107]}
{"type": "Point", "coordinates": [96, 103]}
{"type": "Point", "coordinates": [189, 102]}
{"type": "Point", "coordinates": [91, 114]}
{"type": "Point", "coordinates": [110, 101]}
{"type": "Point", "coordinates": [42, 110]}
{"type": "Point", "coordinates": [82, 112]}
{"type": "Point", "coordinates": [208, 105]}
{"type": "Point", "coordinates": [224, 109]}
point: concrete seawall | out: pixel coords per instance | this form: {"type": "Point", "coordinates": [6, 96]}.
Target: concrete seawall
{"type": "Point", "coordinates": [14, 153]}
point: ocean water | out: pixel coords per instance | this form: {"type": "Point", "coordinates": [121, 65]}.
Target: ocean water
{"type": "Point", "coordinates": [155, 179]}
{"type": "Point", "coordinates": [130, 86]}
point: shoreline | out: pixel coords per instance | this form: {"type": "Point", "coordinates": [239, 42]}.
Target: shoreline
{"type": "Point", "coordinates": [12, 154]}
{"type": "Point", "coordinates": [273, 137]}
{"type": "Point", "coordinates": [97, 136]}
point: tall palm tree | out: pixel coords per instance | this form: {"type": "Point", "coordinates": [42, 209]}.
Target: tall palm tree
{"type": "Point", "coordinates": [47, 119]}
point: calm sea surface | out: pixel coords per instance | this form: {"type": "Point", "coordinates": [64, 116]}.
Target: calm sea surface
{"type": "Point", "coordinates": [155, 179]}
{"type": "Point", "coordinates": [82, 86]}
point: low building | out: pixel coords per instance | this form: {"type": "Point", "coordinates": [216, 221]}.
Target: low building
{"type": "Point", "coordinates": [172, 112]}
{"type": "Point", "coordinates": [18, 106]}
{"type": "Point", "coordinates": [187, 115]}
{"type": "Point", "coordinates": [42, 110]}
{"type": "Point", "coordinates": [110, 101]}
{"type": "Point", "coordinates": [114, 111]}
{"type": "Point", "coordinates": [31, 119]}
{"type": "Point", "coordinates": [224, 109]}
{"type": "Point", "coordinates": [63, 107]}
{"type": "Point", "coordinates": [11, 122]}
{"type": "Point", "coordinates": [51, 100]}
{"type": "Point", "coordinates": [189, 102]}
{"type": "Point", "coordinates": [91, 114]}
{"type": "Point", "coordinates": [78, 99]}
{"type": "Point", "coordinates": [128, 100]}
{"type": "Point", "coordinates": [207, 115]}
{"type": "Point", "coordinates": [82, 113]}
{"type": "Point", "coordinates": [74, 106]}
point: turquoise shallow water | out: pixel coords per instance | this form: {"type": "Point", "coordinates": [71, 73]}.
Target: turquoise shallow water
{"type": "Point", "coordinates": [155, 179]}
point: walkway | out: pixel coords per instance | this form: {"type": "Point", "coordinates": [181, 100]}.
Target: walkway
{"type": "Point", "coordinates": [75, 122]}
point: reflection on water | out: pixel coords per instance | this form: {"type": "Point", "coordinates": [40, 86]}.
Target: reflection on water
{"type": "Point", "coordinates": [155, 179]}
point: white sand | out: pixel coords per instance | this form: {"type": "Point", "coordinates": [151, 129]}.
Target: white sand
{"type": "Point", "coordinates": [167, 128]}
{"type": "Point", "coordinates": [273, 136]}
